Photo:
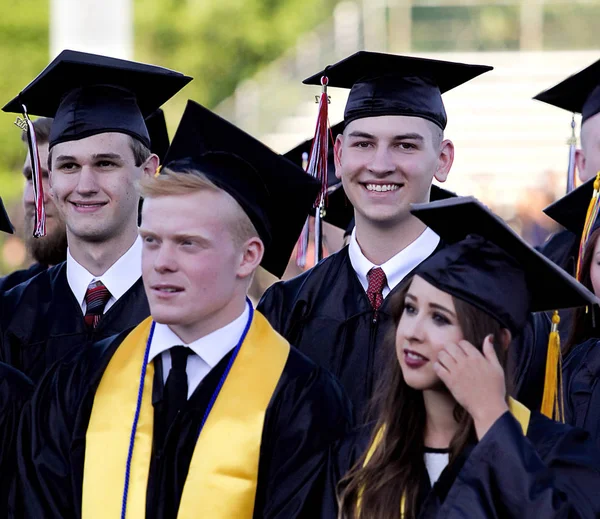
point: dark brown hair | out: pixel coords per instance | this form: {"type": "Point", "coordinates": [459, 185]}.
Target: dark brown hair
{"type": "Point", "coordinates": [583, 323]}
{"type": "Point", "coordinates": [41, 127]}
{"type": "Point", "coordinates": [397, 465]}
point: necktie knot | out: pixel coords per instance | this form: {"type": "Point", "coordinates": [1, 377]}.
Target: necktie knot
{"type": "Point", "coordinates": [96, 297]}
{"type": "Point", "coordinates": [377, 281]}
{"type": "Point", "coordinates": [179, 355]}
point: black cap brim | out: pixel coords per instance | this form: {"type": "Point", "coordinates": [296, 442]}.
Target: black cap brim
{"type": "Point", "coordinates": [151, 85]}
{"type": "Point", "coordinates": [572, 93]}
{"type": "Point", "coordinates": [5, 223]}
{"type": "Point", "coordinates": [364, 64]}
{"type": "Point", "coordinates": [551, 288]}
{"type": "Point", "coordinates": [570, 211]}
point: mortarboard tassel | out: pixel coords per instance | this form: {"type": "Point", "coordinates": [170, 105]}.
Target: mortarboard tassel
{"type": "Point", "coordinates": [572, 142]}
{"type": "Point", "coordinates": [592, 214]}
{"type": "Point", "coordinates": [302, 246]}
{"type": "Point", "coordinates": [317, 167]}
{"type": "Point", "coordinates": [552, 401]}
{"type": "Point", "coordinates": [39, 229]}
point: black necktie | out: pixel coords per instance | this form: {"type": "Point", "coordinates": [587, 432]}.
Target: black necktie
{"type": "Point", "coordinates": [176, 388]}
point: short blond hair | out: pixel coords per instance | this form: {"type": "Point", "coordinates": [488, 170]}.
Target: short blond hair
{"type": "Point", "coordinates": [175, 183]}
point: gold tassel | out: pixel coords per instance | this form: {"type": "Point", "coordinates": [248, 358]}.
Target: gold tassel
{"type": "Point", "coordinates": [552, 404]}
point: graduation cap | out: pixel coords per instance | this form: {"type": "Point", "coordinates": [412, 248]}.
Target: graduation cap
{"type": "Point", "coordinates": [489, 266]}
{"type": "Point", "coordinates": [579, 93]}
{"type": "Point", "coordinates": [87, 94]}
{"type": "Point", "coordinates": [275, 193]}
{"type": "Point", "coordinates": [159, 135]}
{"type": "Point", "coordinates": [388, 84]}
{"type": "Point", "coordinates": [578, 212]}
{"type": "Point", "coordinates": [5, 223]}
{"type": "Point", "coordinates": [498, 272]}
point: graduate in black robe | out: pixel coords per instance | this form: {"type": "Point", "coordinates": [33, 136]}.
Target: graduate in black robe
{"type": "Point", "coordinates": [305, 411]}
{"type": "Point", "coordinates": [326, 312]}
{"type": "Point", "coordinates": [522, 464]}
{"type": "Point", "coordinates": [41, 320]}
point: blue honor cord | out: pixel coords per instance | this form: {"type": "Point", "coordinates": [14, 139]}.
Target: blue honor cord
{"type": "Point", "coordinates": [211, 403]}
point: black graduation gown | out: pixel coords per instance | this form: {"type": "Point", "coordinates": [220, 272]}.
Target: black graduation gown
{"type": "Point", "coordinates": [553, 472]}
{"type": "Point", "coordinates": [326, 314]}
{"type": "Point", "coordinates": [40, 321]}
{"type": "Point", "coordinates": [20, 276]}
{"type": "Point", "coordinates": [15, 390]}
{"type": "Point", "coordinates": [307, 412]}
{"type": "Point", "coordinates": [581, 382]}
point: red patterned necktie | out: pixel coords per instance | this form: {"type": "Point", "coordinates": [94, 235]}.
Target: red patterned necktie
{"type": "Point", "coordinates": [96, 297]}
{"type": "Point", "coordinates": [377, 280]}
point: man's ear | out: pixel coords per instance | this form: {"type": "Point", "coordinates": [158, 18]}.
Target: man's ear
{"type": "Point", "coordinates": [337, 155]}
{"type": "Point", "coordinates": [150, 166]}
{"type": "Point", "coordinates": [252, 254]}
{"type": "Point", "coordinates": [445, 160]}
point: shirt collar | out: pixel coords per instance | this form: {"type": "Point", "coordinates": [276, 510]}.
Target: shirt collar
{"type": "Point", "coordinates": [211, 348]}
{"type": "Point", "coordinates": [398, 266]}
{"type": "Point", "coordinates": [119, 278]}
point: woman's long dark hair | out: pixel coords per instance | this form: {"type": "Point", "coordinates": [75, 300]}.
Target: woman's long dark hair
{"type": "Point", "coordinates": [583, 326]}
{"type": "Point", "coordinates": [397, 465]}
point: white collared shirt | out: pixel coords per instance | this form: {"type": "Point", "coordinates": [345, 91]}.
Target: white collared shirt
{"type": "Point", "coordinates": [398, 266]}
{"type": "Point", "coordinates": [208, 351]}
{"type": "Point", "coordinates": [119, 278]}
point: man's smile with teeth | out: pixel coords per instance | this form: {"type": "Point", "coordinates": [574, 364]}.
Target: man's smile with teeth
{"type": "Point", "coordinates": [382, 187]}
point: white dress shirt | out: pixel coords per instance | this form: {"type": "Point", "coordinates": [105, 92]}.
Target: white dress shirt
{"type": "Point", "coordinates": [208, 351]}
{"type": "Point", "coordinates": [119, 278]}
{"type": "Point", "coordinates": [397, 267]}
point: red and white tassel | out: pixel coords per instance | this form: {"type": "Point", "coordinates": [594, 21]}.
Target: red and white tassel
{"type": "Point", "coordinates": [317, 167]}
{"type": "Point", "coordinates": [39, 228]}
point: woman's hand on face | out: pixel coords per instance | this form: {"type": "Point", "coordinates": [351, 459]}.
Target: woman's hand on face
{"type": "Point", "coordinates": [475, 380]}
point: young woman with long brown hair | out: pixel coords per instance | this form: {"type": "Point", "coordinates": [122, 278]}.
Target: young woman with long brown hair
{"type": "Point", "coordinates": [448, 441]}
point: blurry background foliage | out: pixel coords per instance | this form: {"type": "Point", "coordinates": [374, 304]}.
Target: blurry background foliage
{"type": "Point", "coordinates": [222, 42]}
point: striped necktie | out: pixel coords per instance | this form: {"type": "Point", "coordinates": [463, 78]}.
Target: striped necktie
{"type": "Point", "coordinates": [96, 297]}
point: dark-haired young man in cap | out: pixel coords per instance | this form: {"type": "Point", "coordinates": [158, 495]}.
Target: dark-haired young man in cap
{"type": "Point", "coordinates": [230, 421]}
{"type": "Point", "coordinates": [391, 149]}
{"type": "Point", "coordinates": [52, 248]}
{"type": "Point", "coordinates": [99, 149]}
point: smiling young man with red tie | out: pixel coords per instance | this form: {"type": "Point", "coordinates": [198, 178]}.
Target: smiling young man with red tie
{"type": "Point", "coordinates": [99, 149]}
{"type": "Point", "coordinates": [391, 149]}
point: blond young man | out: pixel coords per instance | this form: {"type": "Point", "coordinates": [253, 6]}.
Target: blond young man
{"type": "Point", "coordinates": [204, 409]}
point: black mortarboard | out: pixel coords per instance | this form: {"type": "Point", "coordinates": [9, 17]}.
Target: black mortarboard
{"type": "Point", "coordinates": [388, 84]}
{"type": "Point", "coordinates": [87, 94]}
{"type": "Point", "coordinates": [571, 210]}
{"type": "Point", "coordinates": [159, 135]}
{"type": "Point", "coordinates": [489, 266]}
{"type": "Point", "coordinates": [579, 93]}
{"type": "Point", "coordinates": [275, 193]}
{"type": "Point", "coordinates": [5, 223]}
